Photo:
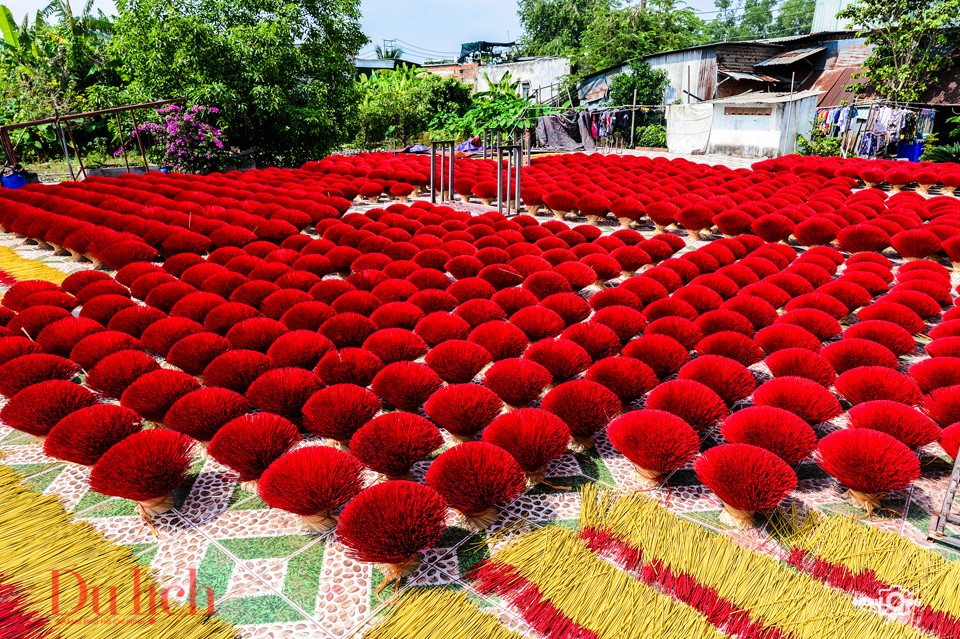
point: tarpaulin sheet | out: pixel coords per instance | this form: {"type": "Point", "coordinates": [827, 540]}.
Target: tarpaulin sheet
{"type": "Point", "coordinates": [568, 131]}
{"type": "Point", "coordinates": [468, 49]}
{"type": "Point", "coordinates": [688, 127]}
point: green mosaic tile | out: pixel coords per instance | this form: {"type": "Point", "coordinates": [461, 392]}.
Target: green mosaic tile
{"type": "Point", "coordinates": [250, 611]}
{"type": "Point", "coordinates": [144, 553]}
{"type": "Point", "coordinates": [570, 484]}
{"type": "Point", "coordinates": [17, 438]}
{"type": "Point", "coordinates": [38, 476]}
{"type": "Point", "coordinates": [242, 500]}
{"type": "Point", "coordinates": [215, 570]}
{"type": "Point", "coordinates": [389, 590]}
{"type": "Point", "coordinates": [95, 505]}
{"type": "Point", "coordinates": [182, 491]}
{"type": "Point", "coordinates": [592, 465]}
{"type": "Point", "coordinates": [28, 470]}
{"type": "Point", "coordinates": [42, 481]}
{"type": "Point", "coordinates": [268, 547]}
{"type": "Point", "coordinates": [302, 581]}
{"type": "Point", "coordinates": [709, 517]}
{"type": "Point", "coordinates": [452, 536]}
{"type": "Point", "coordinates": [811, 471]}
{"type": "Point", "coordinates": [683, 477]}
{"type": "Point", "coordinates": [568, 524]}
{"type": "Point", "coordinates": [474, 550]}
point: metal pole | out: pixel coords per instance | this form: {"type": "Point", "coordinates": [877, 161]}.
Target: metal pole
{"type": "Point", "coordinates": [794, 112]}
{"type": "Point", "coordinates": [76, 151]}
{"type": "Point", "coordinates": [66, 153]}
{"type": "Point", "coordinates": [143, 154]}
{"type": "Point", "coordinates": [688, 84]}
{"type": "Point", "coordinates": [123, 145]}
{"type": "Point", "coordinates": [516, 197]}
{"type": "Point", "coordinates": [450, 181]}
{"type": "Point", "coordinates": [499, 179]}
{"type": "Point", "coordinates": [433, 173]}
{"type": "Point", "coordinates": [633, 117]}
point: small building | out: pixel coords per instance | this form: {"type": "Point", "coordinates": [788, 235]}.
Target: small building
{"type": "Point", "coordinates": [760, 125]}
{"type": "Point", "coordinates": [539, 77]}
{"type": "Point", "coordinates": [725, 69]}
{"type": "Point", "coordinates": [367, 67]}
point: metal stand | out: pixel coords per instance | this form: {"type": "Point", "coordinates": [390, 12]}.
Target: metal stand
{"type": "Point", "coordinates": [444, 145]}
{"type": "Point", "coordinates": [514, 155]}
{"type": "Point", "coordinates": [939, 521]}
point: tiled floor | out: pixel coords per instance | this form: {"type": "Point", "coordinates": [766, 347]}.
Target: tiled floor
{"type": "Point", "coordinates": [273, 580]}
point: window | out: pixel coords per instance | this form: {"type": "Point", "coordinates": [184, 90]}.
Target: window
{"type": "Point", "coordinates": [748, 111]}
{"type": "Point", "coordinates": [524, 89]}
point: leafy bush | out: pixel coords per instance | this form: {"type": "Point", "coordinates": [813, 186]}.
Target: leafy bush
{"type": "Point", "coordinates": [185, 141]}
{"type": "Point", "coordinates": [818, 144]}
{"type": "Point", "coordinates": [652, 135]}
{"type": "Point", "coordinates": [500, 106]}
{"type": "Point", "coordinates": [401, 104]}
{"type": "Point", "coordinates": [650, 85]}
{"type": "Point", "coordinates": [280, 73]}
{"type": "Point", "coordinates": [944, 153]}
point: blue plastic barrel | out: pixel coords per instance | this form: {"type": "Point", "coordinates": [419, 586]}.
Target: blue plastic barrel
{"type": "Point", "coordinates": [910, 151]}
{"type": "Point", "coordinates": [15, 181]}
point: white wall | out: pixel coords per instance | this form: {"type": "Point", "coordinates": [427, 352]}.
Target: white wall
{"type": "Point", "coordinates": [699, 66]}
{"type": "Point", "coordinates": [538, 72]}
{"type": "Point", "coordinates": [825, 16]}
{"type": "Point", "coordinates": [761, 136]}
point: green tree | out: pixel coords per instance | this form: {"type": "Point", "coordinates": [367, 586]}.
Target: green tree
{"type": "Point", "coordinates": [622, 33]}
{"type": "Point", "coordinates": [795, 17]}
{"type": "Point", "coordinates": [649, 84]}
{"type": "Point", "coordinates": [401, 104]}
{"type": "Point", "coordinates": [910, 42]}
{"type": "Point", "coordinates": [725, 25]}
{"type": "Point", "coordinates": [279, 73]}
{"type": "Point", "coordinates": [757, 19]}
{"type": "Point", "coordinates": [555, 27]}
{"type": "Point", "coordinates": [52, 66]}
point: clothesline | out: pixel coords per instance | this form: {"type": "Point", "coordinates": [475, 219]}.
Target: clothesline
{"type": "Point", "coordinates": [882, 125]}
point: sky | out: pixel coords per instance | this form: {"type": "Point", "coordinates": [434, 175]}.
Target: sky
{"type": "Point", "coordinates": [426, 29]}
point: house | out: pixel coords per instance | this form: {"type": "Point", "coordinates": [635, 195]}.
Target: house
{"type": "Point", "coordinates": [759, 125]}
{"type": "Point", "coordinates": [539, 77]}
{"type": "Point", "coordinates": [367, 67]}
{"type": "Point", "coordinates": [726, 69]}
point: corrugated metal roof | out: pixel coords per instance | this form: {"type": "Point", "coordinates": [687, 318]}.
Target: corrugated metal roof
{"type": "Point", "coordinates": [749, 76]}
{"type": "Point", "coordinates": [766, 98]}
{"type": "Point", "coordinates": [833, 85]}
{"type": "Point", "coordinates": [789, 57]}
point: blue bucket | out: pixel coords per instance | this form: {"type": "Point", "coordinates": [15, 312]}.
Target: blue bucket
{"type": "Point", "coordinates": [15, 181]}
{"type": "Point", "coordinates": [910, 151]}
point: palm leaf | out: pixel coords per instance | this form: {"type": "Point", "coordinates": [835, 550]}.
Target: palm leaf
{"type": "Point", "coordinates": [945, 153]}
{"type": "Point", "coordinates": [8, 27]}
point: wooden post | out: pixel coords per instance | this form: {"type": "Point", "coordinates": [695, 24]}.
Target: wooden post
{"type": "Point", "coordinates": [8, 147]}
{"type": "Point", "coordinates": [123, 145]}
{"type": "Point", "coordinates": [76, 151]}
{"type": "Point", "coordinates": [143, 154]}
{"type": "Point", "coordinates": [633, 117]}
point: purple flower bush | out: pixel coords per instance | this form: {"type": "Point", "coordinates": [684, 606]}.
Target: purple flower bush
{"type": "Point", "coordinates": [188, 143]}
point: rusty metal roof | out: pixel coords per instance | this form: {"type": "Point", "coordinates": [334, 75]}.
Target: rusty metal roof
{"type": "Point", "coordinates": [757, 97]}
{"type": "Point", "coordinates": [833, 83]}
{"type": "Point", "coordinates": [789, 57]}
{"type": "Point", "coordinates": [749, 76]}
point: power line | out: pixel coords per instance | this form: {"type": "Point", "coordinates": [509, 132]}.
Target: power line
{"type": "Point", "coordinates": [421, 49]}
